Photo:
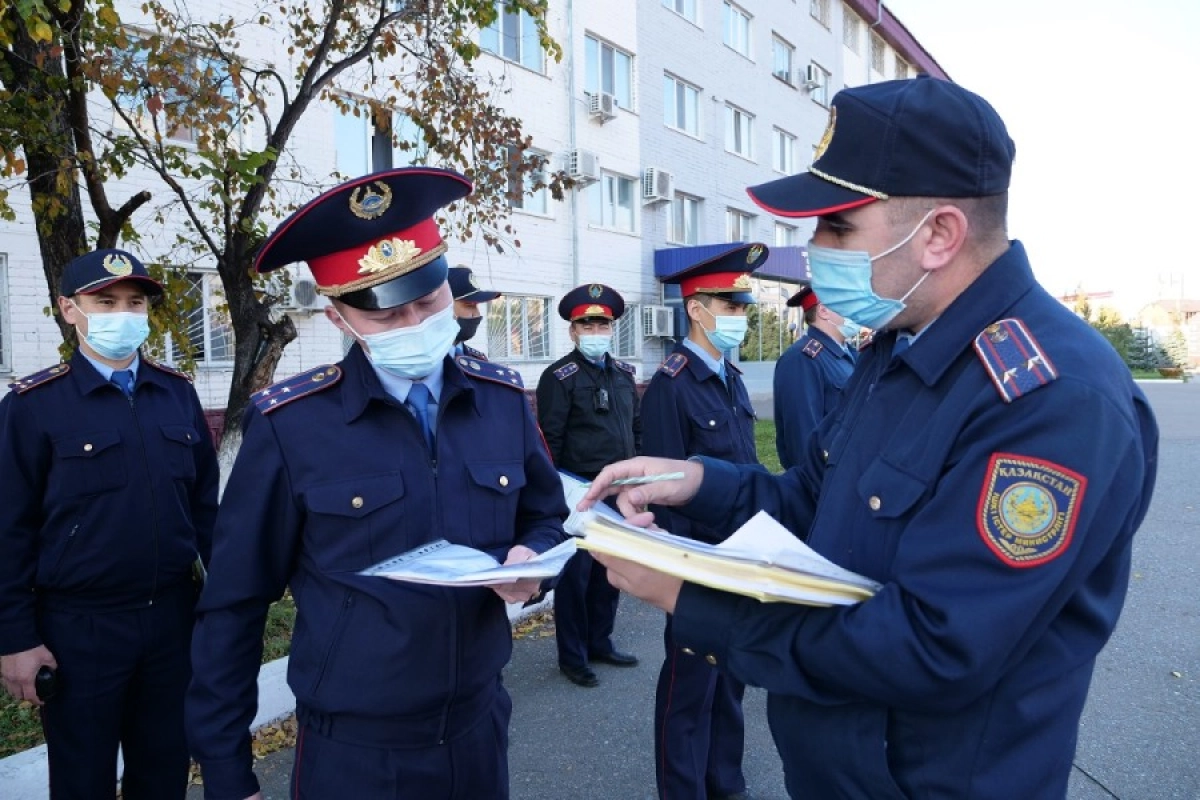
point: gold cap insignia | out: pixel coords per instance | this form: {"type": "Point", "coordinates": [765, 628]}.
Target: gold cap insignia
{"type": "Point", "coordinates": [996, 333]}
{"type": "Point", "coordinates": [826, 137]}
{"type": "Point", "coordinates": [387, 254]}
{"type": "Point", "coordinates": [595, 290]}
{"type": "Point", "coordinates": [471, 280]}
{"type": "Point", "coordinates": [594, 311]}
{"type": "Point", "coordinates": [743, 281]}
{"type": "Point", "coordinates": [366, 203]}
{"type": "Point", "coordinates": [755, 254]}
{"type": "Point", "coordinates": [118, 265]}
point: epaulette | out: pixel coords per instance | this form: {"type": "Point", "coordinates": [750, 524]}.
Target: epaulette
{"type": "Point", "coordinates": [23, 385]}
{"type": "Point", "coordinates": [164, 368]}
{"type": "Point", "coordinates": [812, 348]}
{"type": "Point", "coordinates": [674, 364]}
{"type": "Point", "coordinates": [1013, 358]}
{"type": "Point", "coordinates": [566, 370]}
{"type": "Point", "coordinates": [490, 371]}
{"type": "Point", "coordinates": [626, 366]}
{"type": "Point", "coordinates": [280, 394]}
{"type": "Point", "coordinates": [471, 352]}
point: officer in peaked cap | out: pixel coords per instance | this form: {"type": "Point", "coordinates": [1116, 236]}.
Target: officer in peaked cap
{"type": "Point", "coordinates": [697, 405]}
{"type": "Point", "coordinates": [467, 298]}
{"type": "Point", "coordinates": [396, 446]}
{"type": "Point", "coordinates": [988, 464]}
{"type": "Point", "coordinates": [108, 493]}
{"type": "Point", "coordinates": [810, 374]}
{"type": "Point", "coordinates": [588, 410]}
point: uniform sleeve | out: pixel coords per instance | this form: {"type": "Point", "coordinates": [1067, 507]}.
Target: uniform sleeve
{"type": "Point", "coordinates": [799, 405]}
{"type": "Point", "coordinates": [541, 509]}
{"type": "Point", "coordinates": [254, 546]}
{"type": "Point", "coordinates": [24, 464]}
{"type": "Point", "coordinates": [665, 436]}
{"type": "Point", "coordinates": [553, 409]}
{"type": "Point", "coordinates": [206, 485]}
{"type": "Point", "coordinates": [953, 617]}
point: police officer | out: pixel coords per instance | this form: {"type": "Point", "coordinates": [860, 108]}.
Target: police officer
{"type": "Point", "coordinates": [109, 492]}
{"type": "Point", "coordinates": [588, 410]}
{"type": "Point", "coordinates": [398, 685]}
{"type": "Point", "coordinates": [989, 463]}
{"type": "Point", "coordinates": [810, 374]}
{"type": "Point", "coordinates": [467, 297]}
{"type": "Point", "coordinates": [696, 405]}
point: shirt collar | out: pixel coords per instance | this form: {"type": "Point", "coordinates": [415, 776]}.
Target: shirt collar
{"type": "Point", "coordinates": [106, 371]}
{"type": "Point", "coordinates": [715, 365]}
{"type": "Point", "coordinates": [363, 383]}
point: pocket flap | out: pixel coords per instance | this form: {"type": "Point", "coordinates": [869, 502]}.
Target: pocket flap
{"type": "Point", "coordinates": [355, 497]}
{"type": "Point", "coordinates": [504, 477]}
{"type": "Point", "coordinates": [184, 434]}
{"type": "Point", "coordinates": [888, 491]}
{"type": "Point", "coordinates": [711, 420]}
{"type": "Point", "coordinates": [86, 445]}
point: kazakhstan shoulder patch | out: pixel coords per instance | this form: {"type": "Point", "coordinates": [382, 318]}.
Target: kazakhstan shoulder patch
{"type": "Point", "coordinates": [566, 371]}
{"type": "Point", "coordinates": [1014, 359]}
{"type": "Point", "coordinates": [812, 348]}
{"type": "Point", "coordinates": [278, 395]}
{"type": "Point", "coordinates": [673, 365]}
{"type": "Point", "coordinates": [23, 385]}
{"type": "Point", "coordinates": [1028, 509]}
{"type": "Point", "coordinates": [490, 371]}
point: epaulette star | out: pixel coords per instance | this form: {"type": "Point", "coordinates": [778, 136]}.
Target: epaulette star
{"type": "Point", "coordinates": [812, 348]}
{"type": "Point", "coordinates": [23, 385]}
{"type": "Point", "coordinates": [1013, 359]}
{"type": "Point", "coordinates": [566, 371]}
{"type": "Point", "coordinates": [673, 365]}
{"type": "Point", "coordinates": [490, 371]}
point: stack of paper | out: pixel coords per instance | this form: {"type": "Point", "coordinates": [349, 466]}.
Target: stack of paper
{"type": "Point", "coordinates": [445, 564]}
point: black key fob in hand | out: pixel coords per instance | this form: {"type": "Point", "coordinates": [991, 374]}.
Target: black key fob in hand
{"type": "Point", "coordinates": [46, 683]}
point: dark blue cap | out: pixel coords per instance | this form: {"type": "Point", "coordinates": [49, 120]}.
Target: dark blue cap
{"type": "Point", "coordinates": [100, 268]}
{"type": "Point", "coordinates": [591, 300]}
{"type": "Point", "coordinates": [463, 286]}
{"type": "Point", "coordinates": [921, 137]}
{"type": "Point", "coordinates": [726, 274]}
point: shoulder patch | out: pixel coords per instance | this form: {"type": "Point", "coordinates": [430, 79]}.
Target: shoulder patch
{"type": "Point", "coordinates": [1014, 360]}
{"type": "Point", "coordinates": [566, 371]}
{"type": "Point", "coordinates": [673, 365]}
{"type": "Point", "coordinates": [164, 368]}
{"type": "Point", "coordinates": [812, 348]}
{"type": "Point", "coordinates": [625, 366]}
{"type": "Point", "coordinates": [280, 394]}
{"type": "Point", "coordinates": [1028, 508]}
{"type": "Point", "coordinates": [490, 371]}
{"type": "Point", "coordinates": [23, 385]}
{"type": "Point", "coordinates": [471, 352]}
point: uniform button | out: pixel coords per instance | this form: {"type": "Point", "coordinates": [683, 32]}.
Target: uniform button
{"type": "Point", "coordinates": [687, 651]}
{"type": "Point", "coordinates": [712, 423]}
{"type": "Point", "coordinates": [711, 659]}
{"type": "Point", "coordinates": [87, 448]}
{"type": "Point", "coordinates": [875, 503]}
{"type": "Point", "coordinates": [825, 454]}
{"type": "Point", "coordinates": [504, 480]}
{"type": "Point", "coordinates": [357, 502]}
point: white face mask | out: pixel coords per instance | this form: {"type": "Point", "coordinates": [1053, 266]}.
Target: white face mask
{"type": "Point", "coordinates": [728, 332]}
{"type": "Point", "coordinates": [594, 346]}
{"type": "Point", "coordinates": [414, 352]}
{"type": "Point", "coordinates": [115, 335]}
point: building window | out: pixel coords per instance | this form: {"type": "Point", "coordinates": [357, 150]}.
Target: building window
{"type": "Point", "coordinates": [626, 333]}
{"type": "Point", "coordinates": [781, 60]}
{"type": "Point", "coordinates": [851, 26]}
{"type": "Point", "coordinates": [371, 139]}
{"type": "Point", "coordinates": [5, 355]}
{"type": "Point", "coordinates": [737, 29]}
{"type": "Point", "coordinates": [209, 326]}
{"type": "Point", "coordinates": [739, 226]}
{"type": "Point", "coordinates": [685, 220]}
{"type": "Point", "coordinates": [682, 103]}
{"type": "Point", "coordinates": [513, 37]}
{"type": "Point", "coordinates": [820, 92]}
{"type": "Point", "coordinates": [878, 49]}
{"type": "Point", "coordinates": [739, 132]}
{"type": "Point", "coordinates": [608, 69]}
{"type": "Point", "coordinates": [518, 328]}
{"type": "Point", "coordinates": [785, 235]}
{"type": "Point", "coordinates": [684, 8]}
{"type": "Point", "coordinates": [611, 202]}
{"type": "Point", "coordinates": [820, 11]}
{"type": "Point", "coordinates": [901, 67]}
{"type": "Point", "coordinates": [784, 152]}
{"type": "Point", "coordinates": [528, 191]}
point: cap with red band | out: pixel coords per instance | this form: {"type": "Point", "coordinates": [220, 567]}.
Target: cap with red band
{"type": "Point", "coordinates": [591, 300]}
{"type": "Point", "coordinates": [805, 298]}
{"type": "Point", "coordinates": [726, 274]}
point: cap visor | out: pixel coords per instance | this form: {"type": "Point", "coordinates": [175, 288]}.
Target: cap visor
{"type": "Point", "coordinates": [805, 195]}
{"type": "Point", "coordinates": [152, 286]}
{"type": "Point", "coordinates": [478, 297]}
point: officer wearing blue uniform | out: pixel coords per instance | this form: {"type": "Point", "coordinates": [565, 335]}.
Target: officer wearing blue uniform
{"type": "Point", "coordinates": [989, 463]}
{"type": "Point", "coordinates": [696, 404]}
{"type": "Point", "coordinates": [467, 297]}
{"type": "Point", "coordinates": [810, 374]}
{"type": "Point", "coordinates": [589, 412]}
{"type": "Point", "coordinates": [398, 685]}
{"type": "Point", "coordinates": [109, 493]}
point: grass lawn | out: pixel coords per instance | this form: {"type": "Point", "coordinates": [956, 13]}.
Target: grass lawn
{"type": "Point", "coordinates": [764, 439]}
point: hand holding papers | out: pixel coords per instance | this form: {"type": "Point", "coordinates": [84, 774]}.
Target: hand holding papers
{"type": "Point", "coordinates": [444, 564]}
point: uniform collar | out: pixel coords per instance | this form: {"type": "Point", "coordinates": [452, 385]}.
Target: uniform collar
{"type": "Point", "coordinates": [582, 359]}
{"type": "Point", "coordinates": [362, 384]}
{"type": "Point", "coordinates": [986, 300]}
{"type": "Point", "coordinates": [88, 376]}
{"type": "Point", "coordinates": [702, 364]}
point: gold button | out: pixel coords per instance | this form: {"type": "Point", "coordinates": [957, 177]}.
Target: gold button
{"type": "Point", "coordinates": [504, 480]}
{"type": "Point", "coordinates": [87, 448]}
{"type": "Point", "coordinates": [875, 503]}
{"type": "Point", "coordinates": [357, 502]}
{"type": "Point", "coordinates": [687, 651]}
{"type": "Point", "coordinates": [710, 658]}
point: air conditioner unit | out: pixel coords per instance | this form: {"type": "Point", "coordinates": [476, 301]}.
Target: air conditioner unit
{"type": "Point", "coordinates": [603, 106]}
{"type": "Point", "coordinates": [302, 295]}
{"type": "Point", "coordinates": [658, 321]}
{"type": "Point", "coordinates": [657, 185]}
{"type": "Point", "coordinates": [583, 166]}
{"type": "Point", "coordinates": [813, 76]}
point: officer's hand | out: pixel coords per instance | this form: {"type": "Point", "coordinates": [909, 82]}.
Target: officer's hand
{"type": "Point", "coordinates": [654, 587]}
{"type": "Point", "coordinates": [522, 590]}
{"type": "Point", "coordinates": [19, 669]}
{"type": "Point", "coordinates": [632, 500]}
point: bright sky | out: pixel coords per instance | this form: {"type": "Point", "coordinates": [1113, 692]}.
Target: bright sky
{"type": "Point", "coordinates": [1102, 99]}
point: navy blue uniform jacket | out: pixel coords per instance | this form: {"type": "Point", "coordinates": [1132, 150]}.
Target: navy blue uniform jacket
{"type": "Point", "coordinates": [334, 482]}
{"type": "Point", "coordinates": [809, 377]}
{"type": "Point", "coordinates": [105, 502]}
{"type": "Point", "coordinates": [1001, 532]}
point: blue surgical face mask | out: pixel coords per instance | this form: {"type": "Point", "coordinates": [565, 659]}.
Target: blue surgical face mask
{"type": "Point", "coordinates": [413, 352]}
{"type": "Point", "coordinates": [842, 279]}
{"type": "Point", "coordinates": [849, 329]}
{"type": "Point", "coordinates": [594, 346]}
{"type": "Point", "coordinates": [728, 332]}
{"type": "Point", "coordinates": [117, 334]}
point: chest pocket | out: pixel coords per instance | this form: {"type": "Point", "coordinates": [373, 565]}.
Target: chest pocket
{"type": "Point", "coordinates": [179, 441]}
{"type": "Point", "coordinates": [889, 492]}
{"type": "Point", "coordinates": [493, 496]}
{"type": "Point", "coordinates": [89, 463]}
{"type": "Point", "coordinates": [355, 523]}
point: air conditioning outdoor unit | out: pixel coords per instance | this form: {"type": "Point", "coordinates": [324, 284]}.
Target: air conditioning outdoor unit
{"type": "Point", "coordinates": [583, 166]}
{"type": "Point", "coordinates": [812, 76]}
{"type": "Point", "coordinates": [603, 106]}
{"type": "Point", "coordinates": [658, 321]}
{"type": "Point", "coordinates": [657, 185]}
{"type": "Point", "coordinates": [302, 295]}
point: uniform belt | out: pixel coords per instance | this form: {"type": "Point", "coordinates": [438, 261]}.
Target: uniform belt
{"type": "Point", "coordinates": [108, 602]}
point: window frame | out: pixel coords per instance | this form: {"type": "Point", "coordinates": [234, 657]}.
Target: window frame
{"type": "Point", "coordinates": [610, 181]}
{"type": "Point", "coordinates": [819, 10]}
{"type": "Point", "coordinates": [851, 31]}
{"type": "Point", "coordinates": [730, 13]}
{"type": "Point", "coordinates": [783, 161]}
{"type": "Point", "coordinates": [594, 69]}
{"type": "Point", "coordinates": [526, 29]}
{"type": "Point", "coordinates": [877, 50]}
{"type": "Point", "coordinates": [204, 279]}
{"type": "Point", "coordinates": [735, 132]}
{"type": "Point", "coordinates": [679, 208]}
{"type": "Point", "coordinates": [520, 200]}
{"type": "Point", "coordinates": [627, 331]}
{"type": "Point", "coordinates": [693, 18]}
{"type": "Point", "coordinates": [676, 85]}
{"type": "Point", "coordinates": [366, 126]}
{"type": "Point", "coordinates": [819, 94]}
{"type": "Point", "coordinates": [791, 232]}
{"type": "Point", "coordinates": [778, 44]}
{"type": "Point", "coordinates": [745, 222]}
{"type": "Point", "coordinates": [499, 311]}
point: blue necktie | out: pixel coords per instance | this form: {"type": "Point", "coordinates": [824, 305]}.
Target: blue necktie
{"type": "Point", "coordinates": [418, 401]}
{"type": "Point", "coordinates": [123, 380]}
{"type": "Point", "coordinates": [902, 343]}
